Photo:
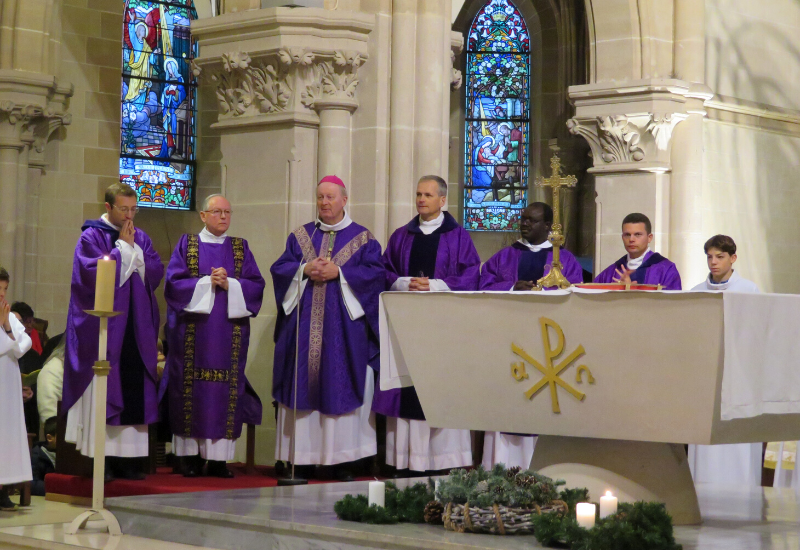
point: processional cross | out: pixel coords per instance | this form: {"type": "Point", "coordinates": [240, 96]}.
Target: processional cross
{"type": "Point", "coordinates": [556, 181]}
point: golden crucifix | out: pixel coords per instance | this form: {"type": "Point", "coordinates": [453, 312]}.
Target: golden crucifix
{"type": "Point", "coordinates": [556, 181]}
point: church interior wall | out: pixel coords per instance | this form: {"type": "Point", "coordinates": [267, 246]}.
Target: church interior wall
{"type": "Point", "coordinates": [83, 158]}
{"type": "Point", "coordinates": [752, 136]}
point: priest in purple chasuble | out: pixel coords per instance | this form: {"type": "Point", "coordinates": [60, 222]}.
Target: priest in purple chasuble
{"type": "Point", "coordinates": [431, 253]}
{"type": "Point", "coordinates": [518, 267]}
{"type": "Point", "coordinates": [213, 288]}
{"type": "Point", "coordinates": [132, 335]}
{"type": "Point", "coordinates": [333, 268]}
{"type": "Point", "coordinates": [640, 265]}
{"type": "Point", "coordinates": [738, 463]}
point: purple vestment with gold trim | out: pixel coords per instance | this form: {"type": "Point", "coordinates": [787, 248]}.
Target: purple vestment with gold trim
{"type": "Point", "coordinates": [334, 350]}
{"type": "Point", "coordinates": [209, 395]}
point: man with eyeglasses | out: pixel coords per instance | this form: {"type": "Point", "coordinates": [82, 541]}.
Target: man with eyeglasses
{"type": "Point", "coordinates": [213, 288]}
{"type": "Point", "coordinates": [641, 265]}
{"type": "Point", "coordinates": [132, 336]}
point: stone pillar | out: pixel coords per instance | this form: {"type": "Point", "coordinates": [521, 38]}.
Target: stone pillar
{"type": "Point", "coordinates": [333, 149]}
{"type": "Point", "coordinates": [401, 133]}
{"type": "Point", "coordinates": [9, 222]}
{"type": "Point", "coordinates": [686, 225]}
{"type": "Point", "coordinates": [420, 100]}
{"type": "Point", "coordinates": [629, 128]}
{"type": "Point", "coordinates": [19, 127]}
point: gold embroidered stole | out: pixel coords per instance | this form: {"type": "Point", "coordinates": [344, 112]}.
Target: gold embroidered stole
{"type": "Point", "coordinates": [190, 373]}
{"type": "Point", "coordinates": [318, 297]}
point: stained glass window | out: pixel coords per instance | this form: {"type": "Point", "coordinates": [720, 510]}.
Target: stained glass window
{"type": "Point", "coordinates": [497, 118]}
{"type": "Point", "coordinates": [158, 103]}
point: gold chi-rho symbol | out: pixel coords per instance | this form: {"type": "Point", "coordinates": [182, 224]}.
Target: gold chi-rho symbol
{"type": "Point", "coordinates": [551, 372]}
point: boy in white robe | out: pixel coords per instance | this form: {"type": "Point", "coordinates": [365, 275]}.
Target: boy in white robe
{"type": "Point", "coordinates": [15, 460]}
{"type": "Point", "coordinates": [738, 463]}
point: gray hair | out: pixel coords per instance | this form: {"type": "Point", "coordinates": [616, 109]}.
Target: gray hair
{"type": "Point", "coordinates": [208, 199]}
{"type": "Point", "coordinates": [438, 180]}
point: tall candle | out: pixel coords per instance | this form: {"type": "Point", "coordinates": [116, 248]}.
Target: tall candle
{"type": "Point", "coordinates": [104, 286]}
{"type": "Point", "coordinates": [585, 513]}
{"type": "Point", "coordinates": [608, 505]}
{"type": "Point", "coordinates": [377, 493]}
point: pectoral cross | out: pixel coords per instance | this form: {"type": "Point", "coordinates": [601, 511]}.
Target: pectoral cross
{"type": "Point", "coordinates": [556, 181]}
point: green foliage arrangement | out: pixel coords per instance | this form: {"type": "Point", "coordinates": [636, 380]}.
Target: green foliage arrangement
{"type": "Point", "coordinates": [510, 487]}
{"type": "Point", "coordinates": [634, 527]}
{"type": "Point", "coordinates": [407, 505]}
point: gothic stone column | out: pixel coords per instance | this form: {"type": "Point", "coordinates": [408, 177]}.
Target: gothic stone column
{"type": "Point", "coordinates": [629, 129]}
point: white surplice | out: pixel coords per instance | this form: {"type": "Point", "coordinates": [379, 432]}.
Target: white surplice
{"type": "Point", "coordinates": [511, 450]}
{"type": "Point", "coordinates": [121, 441]}
{"type": "Point", "coordinates": [413, 444]}
{"type": "Point", "coordinates": [15, 459]}
{"type": "Point", "coordinates": [202, 302]}
{"type": "Point", "coordinates": [732, 464]}
{"type": "Point", "coordinates": [326, 439]}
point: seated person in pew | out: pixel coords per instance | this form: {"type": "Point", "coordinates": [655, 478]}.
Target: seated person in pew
{"type": "Point", "coordinates": [518, 267]}
{"type": "Point", "coordinates": [640, 264]}
{"type": "Point", "coordinates": [740, 463]}
{"type": "Point", "coordinates": [43, 457]}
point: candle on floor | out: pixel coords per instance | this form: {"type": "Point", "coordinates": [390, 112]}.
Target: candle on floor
{"type": "Point", "coordinates": [585, 513]}
{"type": "Point", "coordinates": [104, 285]}
{"type": "Point", "coordinates": [608, 505]}
{"type": "Point", "coordinates": [377, 493]}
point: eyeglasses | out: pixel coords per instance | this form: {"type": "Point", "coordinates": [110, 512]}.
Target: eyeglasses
{"type": "Point", "coordinates": [126, 210]}
{"type": "Point", "coordinates": [219, 212]}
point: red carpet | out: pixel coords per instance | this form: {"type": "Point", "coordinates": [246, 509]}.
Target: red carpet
{"type": "Point", "coordinates": [164, 481]}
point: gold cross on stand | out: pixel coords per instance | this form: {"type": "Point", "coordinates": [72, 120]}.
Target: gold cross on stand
{"type": "Point", "coordinates": [556, 181]}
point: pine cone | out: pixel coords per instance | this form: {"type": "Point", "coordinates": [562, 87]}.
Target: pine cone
{"type": "Point", "coordinates": [524, 481]}
{"type": "Point", "coordinates": [511, 473]}
{"type": "Point", "coordinates": [498, 490]}
{"type": "Point", "coordinates": [433, 512]}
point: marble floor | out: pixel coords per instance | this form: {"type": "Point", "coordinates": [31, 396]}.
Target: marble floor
{"type": "Point", "coordinates": [302, 518]}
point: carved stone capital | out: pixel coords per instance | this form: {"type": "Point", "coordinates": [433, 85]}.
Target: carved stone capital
{"type": "Point", "coordinates": [456, 47]}
{"type": "Point", "coordinates": [29, 124]}
{"type": "Point", "coordinates": [297, 62]}
{"type": "Point", "coordinates": [629, 127]}
{"type": "Point", "coordinates": [247, 88]}
{"type": "Point", "coordinates": [334, 80]}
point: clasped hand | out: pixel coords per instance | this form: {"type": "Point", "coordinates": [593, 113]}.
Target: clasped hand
{"type": "Point", "coordinates": [524, 285]}
{"type": "Point", "coordinates": [419, 284]}
{"type": "Point", "coordinates": [5, 311]}
{"type": "Point", "coordinates": [219, 277]}
{"type": "Point", "coordinates": [321, 270]}
{"type": "Point", "coordinates": [128, 232]}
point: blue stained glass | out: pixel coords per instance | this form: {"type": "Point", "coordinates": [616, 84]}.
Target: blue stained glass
{"type": "Point", "coordinates": [158, 118]}
{"type": "Point", "coordinates": [497, 118]}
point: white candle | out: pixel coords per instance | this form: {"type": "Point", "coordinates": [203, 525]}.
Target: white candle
{"type": "Point", "coordinates": [104, 284]}
{"type": "Point", "coordinates": [585, 513]}
{"type": "Point", "coordinates": [377, 493]}
{"type": "Point", "coordinates": [608, 505]}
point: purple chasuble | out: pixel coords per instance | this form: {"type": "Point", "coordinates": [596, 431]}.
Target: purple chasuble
{"type": "Point", "coordinates": [501, 271]}
{"type": "Point", "coordinates": [334, 350]}
{"type": "Point", "coordinates": [209, 395]}
{"type": "Point", "coordinates": [133, 380]}
{"type": "Point", "coordinates": [655, 270]}
{"type": "Point", "coordinates": [457, 264]}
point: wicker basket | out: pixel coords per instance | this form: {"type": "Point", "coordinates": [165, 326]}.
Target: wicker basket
{"type": "Point", "coordinates": [497, 520]}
